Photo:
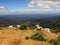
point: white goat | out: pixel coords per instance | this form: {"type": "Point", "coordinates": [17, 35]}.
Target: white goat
{"type": "Point", "coordinates": [38, 27]}
{"type": "Point", "coordinates": [11, 26]}
{"type": "Point", "coordinates": [18, 26]}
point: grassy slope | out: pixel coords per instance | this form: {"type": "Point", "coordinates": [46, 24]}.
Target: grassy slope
{"type": "Point", "coordinates": [17, 37]}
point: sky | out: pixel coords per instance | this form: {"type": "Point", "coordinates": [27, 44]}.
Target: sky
{"type": "Point", "coordinates": [29, 6]}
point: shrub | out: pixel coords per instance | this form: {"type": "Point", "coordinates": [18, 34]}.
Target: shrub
{"type": "Point", "coordinates": [23, 27]}
{"type": "Point", "coordinates": [32, 27]}
{"type": "Point", "coordinates": [56, 25]}
{"type": "Point", "coordinates": [27, 37]}
{"type": "Point", "coordinates": [51, 30]}
{"type": "Point", "coordinates": [54, 42]}
{"type": "Point", "coordinates": [1, 28]}
{"type": "Point", "coordinates": [58, 37]}
{"type": "Point", "coordinates": [38, 37]}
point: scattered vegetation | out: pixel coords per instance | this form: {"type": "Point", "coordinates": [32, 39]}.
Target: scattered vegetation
{"type": "Point", "coordinates": [1, 28]}
{"type": "Point", "coordinates": [58, 37]}
{"type": "Point", "coordinates": [38, 36]}
{"type": "Point", "coordinates": [51, 30]}
{"type": "Point", "coordinates": [32, 27]}
{"type": "Point", "coordinates": [56, 26]}
{"type": "Point", "coordinates": [26, 37]}
{"type": "Point", "coordinates": [54, 42]}
{"type": "Point", "coordinates": [23, 27]}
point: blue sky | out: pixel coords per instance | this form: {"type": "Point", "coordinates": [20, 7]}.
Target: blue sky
{"type": "Point", "coordinates": [14, 4]}
{"type": "Point", "coordinates": [29, 6]}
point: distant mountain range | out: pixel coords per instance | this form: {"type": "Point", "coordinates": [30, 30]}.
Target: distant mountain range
{"type": "Point", "coordinates": [44, 19]}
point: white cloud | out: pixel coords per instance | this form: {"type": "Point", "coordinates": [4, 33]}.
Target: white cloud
{"type": "Point", "coordinates": [2, 7]}
{"type": "Point", "coordinates": [3, 10]}
{"type": "Point", "coordinates": [57, 6]}
{"type": "Point", "coordinates": [31, 4]}
{"type": "Point", "coordinates": [43, 3]}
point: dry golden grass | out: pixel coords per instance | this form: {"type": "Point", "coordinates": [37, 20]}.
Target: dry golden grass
{"type": "Point", "coordinates": [49, 35]}
{"type": "Point", "coordinates": [14, 36]}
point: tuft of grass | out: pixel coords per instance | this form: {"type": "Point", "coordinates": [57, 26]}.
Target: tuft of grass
{"type": "Point", "coordinates": [1, 28]}
{"type": "Point", "coordinates": [26, 37]}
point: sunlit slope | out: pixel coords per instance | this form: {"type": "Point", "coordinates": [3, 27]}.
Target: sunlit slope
{"type": "Point", "coordinates": [17, 37]}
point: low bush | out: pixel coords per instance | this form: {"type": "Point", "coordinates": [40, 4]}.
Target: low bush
{"type": "Point", "coordinates": [32, 27]}
{"type": "Point", "coordinates": [26, 37]}
{"type": "Point", "coordinates": [1, 28]}
{"type": "Point", "coordinates": [54, 42]}
{"type": "Point", "coordinates": [23, 27]}
{"type": "Point", "coordinates": [51, 30]}
{"type": "Point", "coordinates": [38, 37]}
{"type": "Point", "coordinates": [58, 37]}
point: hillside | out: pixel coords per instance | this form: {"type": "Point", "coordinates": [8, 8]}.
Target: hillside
{"type": "Point", "coordinates": [14, 36]}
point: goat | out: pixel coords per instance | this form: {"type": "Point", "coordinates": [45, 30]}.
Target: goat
{"type": "Point", "coordinates": [18, 26]}
{"type": "Point", "coordinates": [38, 27]}
{"type": "Point", "coordinates": [11, 26]}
